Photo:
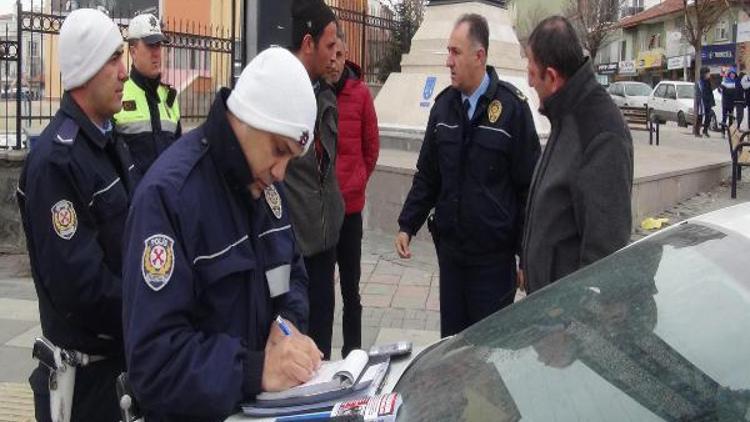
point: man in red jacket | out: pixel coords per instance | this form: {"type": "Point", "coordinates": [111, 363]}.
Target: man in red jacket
{"type": "Point", "coordinates": [358, 147]}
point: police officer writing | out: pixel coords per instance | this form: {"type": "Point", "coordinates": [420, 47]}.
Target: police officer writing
{"type": "Point", "coordinates": [150, 117]}
{"type": "Point", "coordinates": [211, 259]}
{"type": "Point", "coordinates": [73, 196]}
{"type": "Point", "coordinates": [474, 168]}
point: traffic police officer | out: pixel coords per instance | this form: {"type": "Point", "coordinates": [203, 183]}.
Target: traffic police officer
{"type": "Point", "coordinates": [150, 117]}
{"type": "Point", "coordinates": [475, 166]}
{"type": "Point", "coordinates": [73, 195]}
{"type": "Point", "coordinates": [211, 258]}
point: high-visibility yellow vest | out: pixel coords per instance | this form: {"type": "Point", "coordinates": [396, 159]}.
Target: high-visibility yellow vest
{"type": "Point", "coordinates": [135, 116]}
{"type": "Point", "coordinates": [134, 125]}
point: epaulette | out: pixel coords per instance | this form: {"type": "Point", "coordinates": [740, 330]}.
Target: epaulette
{"type": "Point", "coordinates": [67, 132]}
{"type": "Point", "coordinates": [512, 88]}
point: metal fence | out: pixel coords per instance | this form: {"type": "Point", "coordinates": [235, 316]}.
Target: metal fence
{"type": "Point", "coordinates": [198, 60]}
{"type": "Point", "coordinates": [369, 38]}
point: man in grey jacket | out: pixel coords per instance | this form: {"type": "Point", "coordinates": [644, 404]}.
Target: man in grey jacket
{"type": "Point", "coordinates": [316, 204]}
{"type": "Point", "coordinates": [579, 202]}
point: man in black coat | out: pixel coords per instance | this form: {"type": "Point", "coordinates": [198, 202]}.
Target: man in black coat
{"type": "Point", "coordinates": [706, 98]}
{"type": "Point", "coordinates": [579, 201]}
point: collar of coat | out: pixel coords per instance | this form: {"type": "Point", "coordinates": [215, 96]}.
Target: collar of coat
{"type": "Point", "coordinates": [69, 106]}
{"type": "Point", "coordinates": [484, 99]}
{"type": "Point", "coordinates": [575, 90]}
{"type": "Point", "coordinates": [223, 144]}
{"type": "Point", "coordinates": [150, 86]}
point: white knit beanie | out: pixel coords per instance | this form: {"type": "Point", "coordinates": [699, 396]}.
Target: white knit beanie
{"type": "Point", "coordinates": [274, 94]}
{"type": "Point", "coordinates": [88, 38]}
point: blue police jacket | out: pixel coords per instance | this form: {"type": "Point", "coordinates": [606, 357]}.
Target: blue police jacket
{"type": "Point", "coordinates": [196, 304]}
{"type": "Point", "coordinates": [73, 195]}
{"type": "Point", "coordinates": [475, 173]}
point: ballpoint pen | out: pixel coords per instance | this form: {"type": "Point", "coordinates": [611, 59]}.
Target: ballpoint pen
{"type": "Point", "coordinates": [282, 326]}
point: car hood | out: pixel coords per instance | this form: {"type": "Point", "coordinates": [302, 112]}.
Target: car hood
{"type": "Point", "coordinates": [642, 333]}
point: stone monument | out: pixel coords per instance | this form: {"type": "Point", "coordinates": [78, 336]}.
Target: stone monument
{"type": "Point", "coordinates": [404, 101]}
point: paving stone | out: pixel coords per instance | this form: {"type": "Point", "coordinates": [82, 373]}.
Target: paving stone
{"type": "Point", "coordinates": [433, 299]}
{"type": "Point", "coordinates": [385, 267]}
{"type": "Point", "coordinates": [378, 301]}
{"type": "Point", "coordinates": [414, 324]}
{"type": "Point", "coordinates": [373, 313]}
{"type": "Point", "coordinates": [16, 402]}
{"type": "Point", "coordinates": [415, 314]}
{"type": "Point", "coordinates": [384, 279]}
{"type": "Point", "coordinates": [10, 329]}
{"type": "Point", "coordinates": [392, 322]}
{"type": "Point", "coordinates": [17, 364]}
{"type": "Point", "coordinates": [366, 269]}
{"type": "Point", "coordinates": [432, 325]}
{"type": "Point", "coordinates": [394, 313]}
{"type": "Point", "coordinates": [413, 276]}
{"type": "Point", "coordinates": [19, 310]}
{"type": "Point", "coordinates": [411, 297]}
{"type": "Point", "coordinates": [380, 289]}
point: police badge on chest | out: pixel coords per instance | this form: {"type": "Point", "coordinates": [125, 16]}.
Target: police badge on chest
{"type": "Point", "coordinates": [273, 200]}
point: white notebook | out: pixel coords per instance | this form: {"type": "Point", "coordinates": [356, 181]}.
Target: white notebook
{"type": "Point", "coordinates": [331, 376]}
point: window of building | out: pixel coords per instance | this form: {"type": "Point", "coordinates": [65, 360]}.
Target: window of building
{"type": "Point", "coordinates": [654, 41]}
{"type": "Point", "coordinates": [721, 31]}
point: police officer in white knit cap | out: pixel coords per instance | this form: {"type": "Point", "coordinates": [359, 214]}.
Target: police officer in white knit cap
{"type": "Point", "coordinates": [211, 260]}
{"type": "Point", "coordinates": [73, 195]}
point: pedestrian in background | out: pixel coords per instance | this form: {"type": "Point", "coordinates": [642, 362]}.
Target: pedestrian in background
{"type": "Point", "coordinates": [315, 201]}
{"type": "Point", "coordinates": [706, 98]}
{"type": "Point", "coordinates": [357, 154]}
{"type": "Point", "coordinates": [579, 207]}
{"type": "Point", "coordinates": [474, 168]}
{"type": "Point", "coordinates": [728, 89]}
{"type": "Point", "coordinates": [739, 99]}
{"type": "Point", "coordinates": [73, 193]}
{"type": "Point", "coordinates": [745, 85]}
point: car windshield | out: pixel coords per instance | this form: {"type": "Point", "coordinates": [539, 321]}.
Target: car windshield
{"type": "Point", "coordinates": [637, 90]}
{"type": "Point", "coordinates": [685, 91]}
{"type": "Point", "coordinates": [657, 331]}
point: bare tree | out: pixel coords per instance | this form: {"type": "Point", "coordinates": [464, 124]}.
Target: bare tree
{"type": "Point", "coordinates": [530, 18]}
{"type": "Point", "coordinates": [593, 20]}
{"type": "Point", "coordinates": [700, 16]}
{"type": "Point", "coordinates": [409, 14]}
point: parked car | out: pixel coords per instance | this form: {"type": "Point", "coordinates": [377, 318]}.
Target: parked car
{"type": "Point", "coordinates": [657, 331]}
{"type": "Point", "coordinates": [630, 94]}
{"type": "Point", "coordinates": [9, 91]}
{"type": "Point", "coordinates": [672, 101]}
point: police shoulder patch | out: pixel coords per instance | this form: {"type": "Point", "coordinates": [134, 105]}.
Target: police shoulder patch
{"type": "Point", "coordinates": [158, 261]}
{"type": "Point", "coordinates": [273, 199]}
{"type": "Point", "coordinates": [64, 219]}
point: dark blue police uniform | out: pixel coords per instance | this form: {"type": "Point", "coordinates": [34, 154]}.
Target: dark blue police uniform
{"type": "Point", "coordinates": [200, 252]}
{"type": "Point", "coordinates": [476, 174]}
{"type": "Point", "coordinates": [73, 195]}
